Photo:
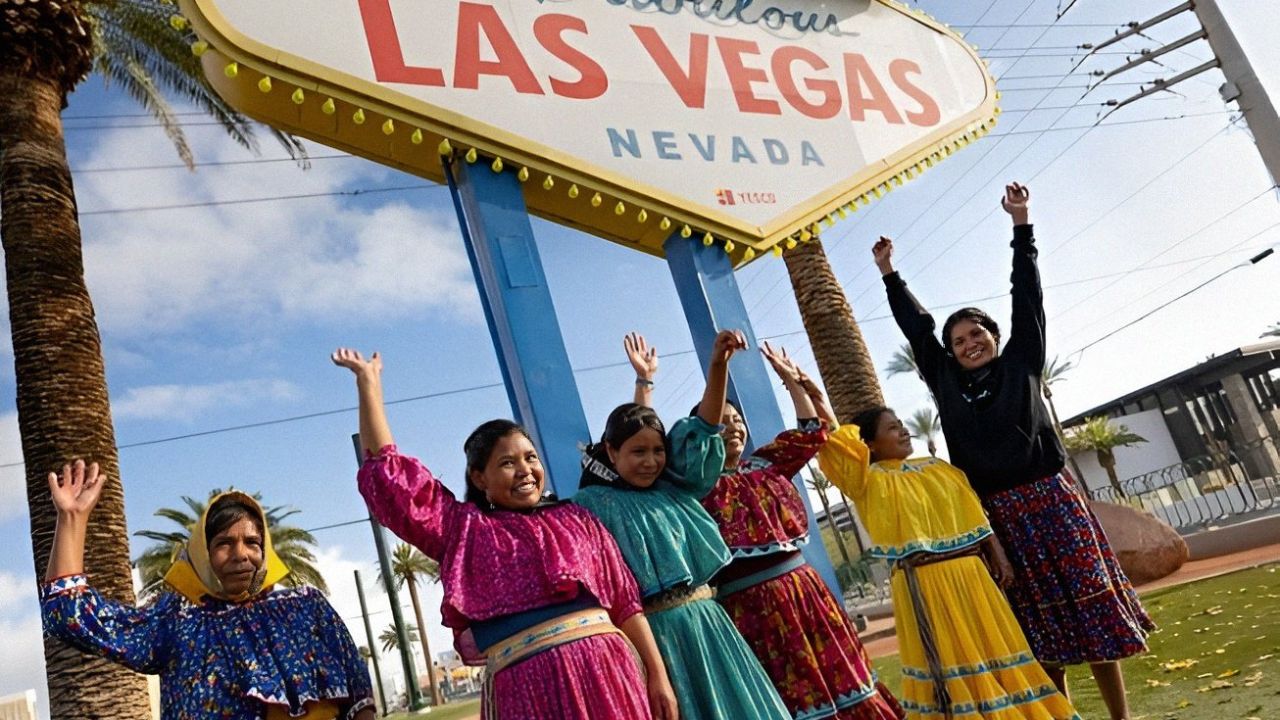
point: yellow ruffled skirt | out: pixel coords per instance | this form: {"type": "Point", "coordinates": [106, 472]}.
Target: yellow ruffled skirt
{"type": "Point", "coordinates": [990, 671]}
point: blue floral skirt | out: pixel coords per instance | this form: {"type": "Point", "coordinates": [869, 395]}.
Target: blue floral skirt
{"type": "Point", "coordinates": [1069, 594]}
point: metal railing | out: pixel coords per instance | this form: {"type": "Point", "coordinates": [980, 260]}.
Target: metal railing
{"type": "Point", "coordinates": [1207, 489]}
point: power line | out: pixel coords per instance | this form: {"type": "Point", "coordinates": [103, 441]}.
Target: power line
{"type": "Point", "coordinates": [273, 198]}
{"type": "Point", "coordinates": [1252, 261]}
{"type": "Point", "coordinates": [220, 163]}
{"type": "Point", "coordinates": [623, 363]}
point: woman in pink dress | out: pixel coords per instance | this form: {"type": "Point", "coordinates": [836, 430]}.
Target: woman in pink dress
{"type": "Point", "coordinates": [535, 587]}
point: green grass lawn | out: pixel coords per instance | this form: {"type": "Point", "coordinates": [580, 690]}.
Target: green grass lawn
{"type": "Point", "coordinates": [450, 711]}
{"type": "Point", "coordinates": [1216, 655]}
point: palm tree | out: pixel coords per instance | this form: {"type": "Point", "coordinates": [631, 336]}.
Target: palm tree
{"type": "Point", "coordinates": [838, 346]}
{"type": "Point", "coordinates": [1273, 331]}
{"type": "Point", "coordinates": [1055, 371]}
{"type": "Point", "coordinates": [903, 362]}
{"type": "Point", "coordinates": [390, 639]}
{"type": "Point", "coordinates": [408, 566]}
{"type": "Point", "coordinates": [1103, 436]}
{"type": "Point", "coordinates": [925, 423]}
{"type": "Point", "coordinates": [292, 544]}
{"type": "Point", "coordinates": [46, 49]}
{"type": "Point", "coordinates": [819, 483]}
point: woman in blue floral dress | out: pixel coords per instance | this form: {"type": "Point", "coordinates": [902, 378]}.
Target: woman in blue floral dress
{"type": "Point", "coordinates": [225, 643]}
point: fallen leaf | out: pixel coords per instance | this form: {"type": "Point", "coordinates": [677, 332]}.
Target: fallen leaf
{"type": "Point", "coordinates": [1152, 682]}
{"type": "Point", "coordinates": [1228, 673]}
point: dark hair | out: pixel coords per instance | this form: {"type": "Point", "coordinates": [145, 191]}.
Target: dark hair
{"type": "Point", "coordinates": [969, 313]}
{"type": "Point", "coordinates": [868, 422]}
{"type": "Point", "coordinates": [624, 422]}
{"type": "Point", "coordinates": [226, 512]}
{"type": "Point", "coordinates": [479, 447]}
{"type": "Point", "coordinates": [727, 401]}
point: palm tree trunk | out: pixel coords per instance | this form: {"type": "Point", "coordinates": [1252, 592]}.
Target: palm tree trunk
{"type": "Point", "coordinates": [63, 411]}
{"type": "Point", "coordinates": [436, 700]}
{"type": "Point", "coordinates": [835, 529]}
{"type": "Point", "coordinates": [1062, 438]}
{"type": "Point", "coordinates": [857, 536]}
{"type": "Point", "coordinates": [843, 359]}
{"type": "Point", "coordinates": [1107, 460]}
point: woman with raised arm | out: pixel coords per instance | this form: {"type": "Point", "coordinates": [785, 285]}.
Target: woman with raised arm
{"type": "Point", "coordinates": [534, 587]}
{"type": "Point", "coordinates": [225, 640]}
{"type": "Point", "coordinates": [961, 648]}
{"type": "Point", "coordinates": [1069, 593]}
{"type": "Point", "coordinates": [792, 621]}
{"type": "Point", "coordinates": [673, 546]}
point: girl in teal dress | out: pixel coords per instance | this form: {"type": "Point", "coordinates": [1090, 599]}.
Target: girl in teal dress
{"type": "Point", "coordinates": [672, 545]}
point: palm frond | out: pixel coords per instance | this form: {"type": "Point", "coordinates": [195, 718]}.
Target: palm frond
{"type": "Point", "coordinates": [902, 362]}
{"type": "Point", "coordinates": [135, 47]}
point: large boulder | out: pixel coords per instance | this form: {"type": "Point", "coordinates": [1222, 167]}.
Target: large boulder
{"type": "Point", "coordinates": [1146, 546]}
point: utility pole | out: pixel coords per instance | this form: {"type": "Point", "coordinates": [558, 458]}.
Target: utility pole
{"type": "Point", "coordinates": [373, 648]}
{"type": "Point", "coordinates": [412, 690]}
{"type": "Point", "coordinates": [1243, 84]}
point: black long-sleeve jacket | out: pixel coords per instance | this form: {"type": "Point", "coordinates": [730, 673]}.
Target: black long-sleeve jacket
{"type": "Point", "coordinates": [997, 427]}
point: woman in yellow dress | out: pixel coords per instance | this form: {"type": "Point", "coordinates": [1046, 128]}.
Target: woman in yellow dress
{"type": "Point", "coordinates": [963, 653]}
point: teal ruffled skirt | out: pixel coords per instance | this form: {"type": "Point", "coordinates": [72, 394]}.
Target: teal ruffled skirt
{"type": "Point", "coordinates": [713, 672]}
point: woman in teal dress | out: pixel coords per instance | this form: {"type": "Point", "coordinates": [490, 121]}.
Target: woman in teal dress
{"type": "Point", "coordinates": [673, 547]}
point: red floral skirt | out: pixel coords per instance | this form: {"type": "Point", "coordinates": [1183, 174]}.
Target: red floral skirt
{"type": "Point", "coordinates": [1069, 594]}
{"type": "Point", "coordinates": [810, 650]}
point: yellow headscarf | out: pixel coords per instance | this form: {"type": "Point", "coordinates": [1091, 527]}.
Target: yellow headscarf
{"type": "Point", "coordinates": [192, 574]}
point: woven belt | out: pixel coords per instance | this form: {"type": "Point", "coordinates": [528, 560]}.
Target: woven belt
{"type": "Point", "coordinates": [793, 562]}
{"type": "Point", "coordinates": [540, 638]}
{"type": "Point", "coordinates": [675, 597]}
{"type": "Point", "coordinates": [928, 640]}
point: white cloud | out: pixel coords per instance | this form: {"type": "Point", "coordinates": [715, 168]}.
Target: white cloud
{"type": "Point", "coordinates": [22, 661]}
{"type": "Point", "coordinates": [185, 402]}
{"type": "Point", "coordinates": [337, 571]}
{"type": "Point", "coordinates": [13, 480]}
{"type": "Point", "coordinates": [305, 259]}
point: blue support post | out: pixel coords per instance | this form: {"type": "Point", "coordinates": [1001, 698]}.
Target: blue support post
{"type": "Point", "coordinates": [522, 319]}
{"type": "Point", "coordinates": [708, 291]}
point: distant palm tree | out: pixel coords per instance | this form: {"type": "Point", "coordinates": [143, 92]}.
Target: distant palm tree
{"type": "Point", "coordinates": [1273, 331]}
{"type": "Point", "coordinates": [292, 544]}
{"type": "Point", "coordinates": [1103, 436]}
{"type": "Point", "coordinates": [390, 639]}
{"type": "Point", "coordinates": [819, 483]}
{"type": "Point", "coordinates": [925, 423]}
{"type": "Point", "coordinates": [903, 362]}
{"type": "Point", "coordinates": [1055, 371]}
{"type": "Point", "coordinates": [409, 566]}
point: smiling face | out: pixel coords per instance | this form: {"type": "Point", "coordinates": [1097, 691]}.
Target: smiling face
{"type": "Point", "coordinates": [512, 478]}
{"type": "Point", "coordinates": [972, 344]}
{"type": "Point", "coordinates": [236, 555]}
{"type": "Point", "coordinates": [892, 440]}
{"type": "Point", "coordinates": [641, 458]}
{"type": "Point", "coordinates": [734, 434]}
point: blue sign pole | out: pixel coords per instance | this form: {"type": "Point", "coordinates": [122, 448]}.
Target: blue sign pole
{"type": "Point", "coordinates": [522, 319]}
{"type": "Point", "coordinates": [709, 293]}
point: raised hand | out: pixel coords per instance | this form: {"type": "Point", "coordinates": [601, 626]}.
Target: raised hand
{"type": "Point", "coordinates": [77, 491]}
{"type": "Point", "coordinates": [726, 344]}
{"type": "Point", "coordinates": [882, 251]}
{"type": "Point", "coordinates": [355, 362]}
{"type": "Point", "coordinates": [783, 366]}
{"type": "Point", "coordinates": [1015, 201]}
{"type": "Point", "coordinates": [644, 359]}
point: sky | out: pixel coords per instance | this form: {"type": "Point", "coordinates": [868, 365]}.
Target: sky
{"type": "Point", "coordinates": [215, 316]}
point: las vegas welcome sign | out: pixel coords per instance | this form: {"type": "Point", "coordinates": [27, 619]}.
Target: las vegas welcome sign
{"type": "Point", "coordinates": [751, 124]}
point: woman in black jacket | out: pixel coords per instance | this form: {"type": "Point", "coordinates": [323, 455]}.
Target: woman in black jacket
{"type": "Point", "coordinates": [1069, 593]}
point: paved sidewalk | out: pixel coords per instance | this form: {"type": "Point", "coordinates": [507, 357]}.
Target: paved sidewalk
{"type": "Point", "coordinates": [880, 640]}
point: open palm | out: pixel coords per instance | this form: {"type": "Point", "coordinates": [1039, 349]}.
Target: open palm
{"type": "Point", "coordinates": [78, 489]}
